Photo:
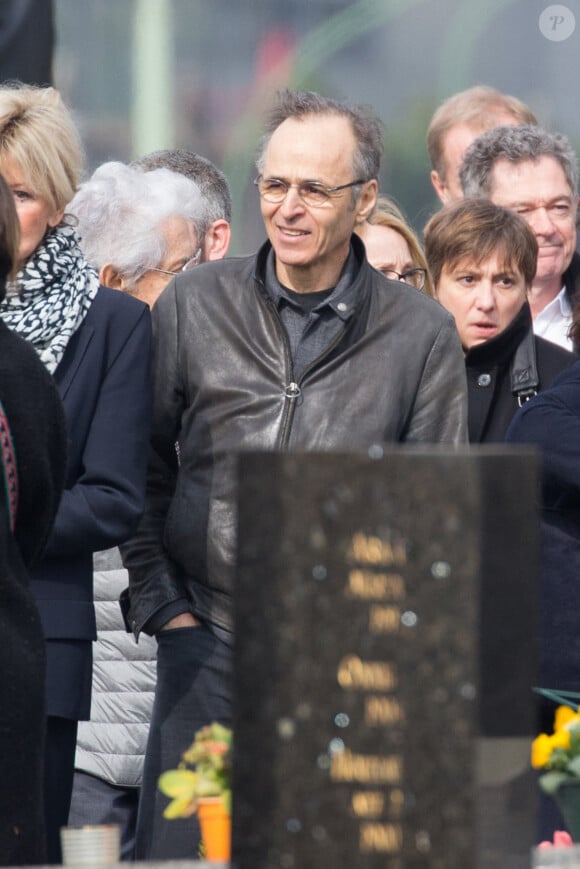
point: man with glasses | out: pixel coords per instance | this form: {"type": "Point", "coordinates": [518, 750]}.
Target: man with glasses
{"type": "Point", "coordinates": [534, 171]}
{"type": "Point", "coordinates": [303, 346]}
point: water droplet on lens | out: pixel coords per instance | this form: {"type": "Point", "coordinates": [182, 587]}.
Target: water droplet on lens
{"type": "Point", "coordinates": [440, 570]}
{"type": "Point", "coordinates": [293, 825]}
{"type": "Point", "coordinates": [286, 728]}
{"type": "Point", "coordinates": [468, 691]}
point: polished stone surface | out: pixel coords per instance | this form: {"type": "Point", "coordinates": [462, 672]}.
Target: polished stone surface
{"type": "Point", "coordinates": [385, 623]}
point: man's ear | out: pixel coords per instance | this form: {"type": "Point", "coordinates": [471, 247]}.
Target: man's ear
{"type": "Point", "coordinates": [109, 276]}
{"type": "Point", "coordinates": [440, 187]}
{"type": "Point", "coordinates": [217, 240]}
{"type": "Point", "coordinates": [367, 201]}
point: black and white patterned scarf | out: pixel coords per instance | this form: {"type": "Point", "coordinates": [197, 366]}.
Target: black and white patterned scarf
{"type": "Point", "coordinates": [51, 295]}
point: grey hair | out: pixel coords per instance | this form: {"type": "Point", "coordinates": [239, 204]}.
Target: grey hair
{"type": "Point", "coordinates": [302, 104]}
{"type": "Point", "coordinates": [121, 213]}
{"type": "Point", "coordinates": [210, 180]}
{"type": "Point", "coordinates": [527, 142]}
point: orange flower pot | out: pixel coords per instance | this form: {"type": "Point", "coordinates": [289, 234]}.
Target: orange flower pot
{"type": "Point", "coordinates": [216, 829]}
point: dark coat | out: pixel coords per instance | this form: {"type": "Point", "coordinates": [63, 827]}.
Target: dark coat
{"type": "Point", "coordinates": [35, 415]}
{"type": "Point", "coordinates": [491, 401]}
{"type": "Point", "coordinates": [103, 380]}
{"type": "Point", "coordinates": [552, 421]}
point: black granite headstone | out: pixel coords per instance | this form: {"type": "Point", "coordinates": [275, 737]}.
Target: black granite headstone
{"type": "Point", "coordinates": [385, 612]}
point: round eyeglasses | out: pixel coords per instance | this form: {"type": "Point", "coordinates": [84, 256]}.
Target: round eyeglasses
{"type": "Point", "coordinates": [313, 193]}
{"type": "Point", "coordinates": [184, 268]}
{"type": "Point", "coordinates": [414, 277]}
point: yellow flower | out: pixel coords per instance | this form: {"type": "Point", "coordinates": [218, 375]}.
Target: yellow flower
{"type": "Point", "coordinates": [541, 750]}
{"type": "Point", "coordinates": [560, 739]}
{"type": "Point", "coordinates": [564, 717]}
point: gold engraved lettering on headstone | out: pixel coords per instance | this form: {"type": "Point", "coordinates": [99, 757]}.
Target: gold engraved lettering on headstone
{"type": "Point", "coordinates": [366, 768]}
{"type": "Point", "coordinates": [366, 585]}
{"type": "Point", "coordinates": [354, 674]}
{"type": "Point", "coordinates": [383, 710]}
{"type": "Point", "coordinates": [380, 837]}
{"type": "Point", "coordinates": [368, 804]}
{"type": "Point", "coordinates": [367, 549]}
{"type": "Point", "coordinates": [384, 619]}
{"type": "Point", "coordinates": [395, 803]}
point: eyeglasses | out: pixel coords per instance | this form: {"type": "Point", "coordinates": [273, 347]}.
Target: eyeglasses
{"type": "Point", "coordinates": [311, 192]}
{"type": "Point", "coordinates": [414, 277]}
{"type": "Point", "coordinates": [184, 268]}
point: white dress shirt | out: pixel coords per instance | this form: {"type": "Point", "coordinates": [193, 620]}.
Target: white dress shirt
{"type": "Point", "coordinates": [554, 321]}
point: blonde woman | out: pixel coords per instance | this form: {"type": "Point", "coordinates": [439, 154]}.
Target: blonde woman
{"type": "Point", "coordinates": [393, 248]}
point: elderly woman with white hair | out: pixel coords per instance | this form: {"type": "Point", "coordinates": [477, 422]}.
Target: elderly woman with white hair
{"type": "Point", "coordinates": [138, 230]}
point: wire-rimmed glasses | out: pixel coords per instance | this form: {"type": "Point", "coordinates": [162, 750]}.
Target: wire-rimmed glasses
{"type": "Point", "coordinates": [313, 193]}
{"type": "Point", "coordinates": [415, 277]}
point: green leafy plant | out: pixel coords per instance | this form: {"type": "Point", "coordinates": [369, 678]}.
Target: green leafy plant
{"type": "Point", "coordinates": [204, 771]}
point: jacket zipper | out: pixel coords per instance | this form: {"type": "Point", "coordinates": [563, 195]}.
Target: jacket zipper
{"type": "Point", "coordinates": [293, 390]}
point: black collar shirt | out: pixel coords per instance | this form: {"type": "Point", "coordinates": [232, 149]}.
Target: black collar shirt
{"type": "Point", "coordinates": [313, 321]}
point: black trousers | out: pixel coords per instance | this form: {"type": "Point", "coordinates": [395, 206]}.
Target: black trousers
{"type": "Point", "coordinates": [59, 762]}
{"type": "Point", "coordinates": [95, 801]}
{"type": "Point", "coordinates": [193, 689]}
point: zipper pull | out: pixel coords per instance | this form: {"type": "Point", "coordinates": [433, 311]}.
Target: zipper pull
{"type": "Point", "coordinates": [292, 391]}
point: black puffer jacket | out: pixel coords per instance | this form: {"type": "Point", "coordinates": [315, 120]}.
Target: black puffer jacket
{"type": "Point", "coordinates": [223, 382]}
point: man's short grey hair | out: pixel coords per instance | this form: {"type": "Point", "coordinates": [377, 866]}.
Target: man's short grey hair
{"type": "Point", "coordinates": [527, 142]}
{"type": "Point", "coordinates": [303, 104]}
{"type": "Point", "coordinates": [210, 180]}
{"type": "Point", "coordinates": [121, 213]}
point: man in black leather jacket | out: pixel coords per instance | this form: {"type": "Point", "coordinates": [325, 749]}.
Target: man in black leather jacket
{"type": "Point", "coordinates": [303, 346]}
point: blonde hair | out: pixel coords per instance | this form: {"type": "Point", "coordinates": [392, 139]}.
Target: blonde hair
{"type": "Point", "coordinates": [38, 134]}
{"type": "Point", "coordinates": [479, 108]}
{"type": "Point", "coordinates": [387, 213]}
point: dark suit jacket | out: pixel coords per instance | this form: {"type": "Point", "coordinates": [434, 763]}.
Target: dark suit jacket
{"type": "Point", "coordinates": [103, 381]}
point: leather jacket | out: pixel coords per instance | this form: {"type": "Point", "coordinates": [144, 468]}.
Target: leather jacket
{"type": "Point", "coordinates": [223, 382]}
